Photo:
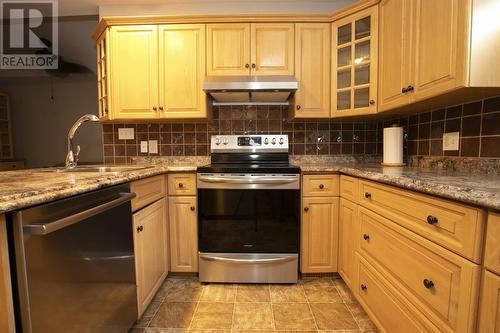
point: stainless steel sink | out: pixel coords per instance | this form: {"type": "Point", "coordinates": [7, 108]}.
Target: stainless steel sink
{"type": "Point", "coordinates": [105, 169]}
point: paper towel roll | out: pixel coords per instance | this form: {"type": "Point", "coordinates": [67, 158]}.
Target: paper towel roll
{"type": "Point", "coordinates": [393, 146]}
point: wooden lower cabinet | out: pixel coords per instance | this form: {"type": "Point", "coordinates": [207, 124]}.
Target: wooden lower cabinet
{"type": "Point", "coordinates": [7, 323]}
{"type": "Point", "coordinates": [319, 234]}
{"type": "Point", "coordinates": [489, 320]}
{"type": "Point", "coordinates": [183, 234]}
{"type": "Point", "coordinates": [348, 225]}
{"type": "Point", "coordinates": [151, 251]}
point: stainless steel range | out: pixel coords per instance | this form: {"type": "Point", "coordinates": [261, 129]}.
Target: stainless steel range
{"type": "Point", "coordinates": [249, 211]}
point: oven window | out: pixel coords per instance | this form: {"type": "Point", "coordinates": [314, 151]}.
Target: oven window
{"type": "Point", "coordinates": [248, 221]}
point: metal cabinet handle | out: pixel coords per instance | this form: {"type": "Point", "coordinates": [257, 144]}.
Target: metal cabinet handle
{"type": "Point", "coordinates": [161, 108]}
{"type": "Point", "coordinates": [298, 107]}
{"type": "Point", "coordinates": [247, 66]}
{"type": "Point", "coordinates": [432, 220]}
{"type": "Point", "coordinates": [364, 287]}
{"type": "Point", "coordinates": [366, 237]}
{"type": "Point", "coordinates": [140, 228]}
{"type": "Point", "coordinates": [306, 209]}
{"type": "Point", "coordinates": [192, 208]}
{"type": "Point", "coordinates": [428, 284]}
{"type": "Point", "coordinates": [368, 195]}
{"type": "Point", "coordinates": [181, 185]}
{"type": "Point", "coordinates": [404, 90]}
{"type": "Point", "coordinates": [321, 186]}
{"type": "Point", "coordinates": [410, 88]}
{"type": "Point", "coordinates": [372, 102]}
{"type": "Point", "coordinates": [155, 108]}
{"type": "Point", "coordinates": [253, 66]}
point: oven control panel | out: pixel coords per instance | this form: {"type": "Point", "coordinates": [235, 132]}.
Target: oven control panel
{"type": "Point", "coordinates": [246, 143]}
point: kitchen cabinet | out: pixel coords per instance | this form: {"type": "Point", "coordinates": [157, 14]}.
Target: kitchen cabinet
{"type": "Point", "coordinates": [354, 64]}
{"type": "Point", "coordinates": [152, 72]}
{"type": "Point", "coordinates": [492, 250]}
{"type": "Point", "coordinates": [348, 226]}
{"type": "Point", "coordinates": [147, 191]}
{"type": "Point", "coordinates": [250, 49]}
{"type": "Point", "coordinates": [312, 71]}
{"type": "Point", "coordinates": [151, 251]}
{"type": "Point", "coordinates": [7, 323]}
{"type": "Point", "coordinates": [489, 320]}
{"type": "Point", "coordinates": [183, 233]}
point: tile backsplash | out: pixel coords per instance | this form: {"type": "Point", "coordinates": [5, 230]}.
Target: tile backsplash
{"type": "Point", "coordinates": [478, 123]}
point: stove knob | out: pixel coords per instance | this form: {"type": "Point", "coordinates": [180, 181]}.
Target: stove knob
{"type": "Point", "coordinates": [273, 141]}
{"type": "Point", "coordinates": [217, 141]}
{"type": "Point", "coordinates": [225, 142]}
{"type": "Point", "coordinates": [266, 141]}
{"type": "Point", "coordinates": [282, 141]}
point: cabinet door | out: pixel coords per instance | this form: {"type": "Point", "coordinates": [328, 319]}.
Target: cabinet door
{"type": "Point", "coordinates": [102, 51]}
{"type": "Point", "coordinates": [354, 59]}
{"type": "Point", "coordinates": [348, 225]}
{"type": "Point", "coordinates": [228, 49]}
{"type": "Point", "coordinates": [272, 49]}
{"type": "Point", "coordinates": [150, 247]}
{"type": "Point", "coordinates": [183, 234]}
{"type": "Point", "coordinates": [182, 70]}
{"type": "Point", "coordinates": [489, 321]}
{"type": "Point", "coordinates": [319, 234]}
{"type": "Point", "coordinates": [394, 53]}
{"type": "Point", "coordinates": [134, 72]}
{"type": "Point", "coordinates": [312, 70]}
{"type": "Point", "coordinates": [439, 41]}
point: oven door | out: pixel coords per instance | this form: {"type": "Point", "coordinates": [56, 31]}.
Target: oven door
{"type": "Point", "coordinates": [249, 213]}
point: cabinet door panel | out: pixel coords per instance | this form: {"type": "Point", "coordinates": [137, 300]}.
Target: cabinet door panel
{"type": "Point", "coordinates": [348, 225]}
{"type": "Point", "coordinates": [134, 71]}
{"type": "Point", "coordinates": [182, 70]}
{"type": "Point", "coordinates": [489, 321]}
{"type": "Point", "coordinates": [319, 234]}
{"type": "Point", "coordinates": [272, 48]}
{"type": "Point", "coordinates": [228, 49]}
{"type": "Point", "coordinates": [394, 53]}
{"type": "Point", "coordinates": [312, 70]}
{"type": "Point", "coordinates": [183, 234]}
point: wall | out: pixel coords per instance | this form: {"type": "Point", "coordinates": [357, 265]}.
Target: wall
{"type": "Point", "coordinates": [478, 122]}
{"type": "Point", "coordinates": [44, 107]}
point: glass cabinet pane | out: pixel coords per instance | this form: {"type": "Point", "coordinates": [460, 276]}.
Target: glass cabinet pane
{"type": "Point", "coordinates": [344, 34]}
{"type": "Point", "coordinates": [343, 100]}
{"type": "Point", "coordinates": [361, 97]}
{"type": "Point", "coordinates": [361, 52]}
{"type": "Point", "coordinates": [362, 28]}
{"type": "Point", "coordinates": [344, 78]}
{"type": "Point", "coordinates": [361, 74]}
{"type": "Point", "coordinates": [344, 56]}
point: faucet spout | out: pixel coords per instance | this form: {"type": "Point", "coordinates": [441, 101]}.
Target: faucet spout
{"type": "Point", "coordinates": [72, 157]}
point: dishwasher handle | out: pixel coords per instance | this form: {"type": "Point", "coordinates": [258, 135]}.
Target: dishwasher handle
{"type": "Point", "coordinates": [47, 228]}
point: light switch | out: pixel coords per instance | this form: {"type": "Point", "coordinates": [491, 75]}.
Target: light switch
{"type": "Point", "coordinates": [144, 146]}
{"type": "Point", "coordinates": [153, 146]}
{"type": "Point", "coordinates": [125, 134]}
{"type": "Point", "coordinates": [451, 141]}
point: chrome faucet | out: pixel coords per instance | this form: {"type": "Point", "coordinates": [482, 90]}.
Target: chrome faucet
{"type": "Point", "coordinates": [71, 157]}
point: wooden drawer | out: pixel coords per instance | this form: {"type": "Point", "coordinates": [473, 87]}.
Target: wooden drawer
{"type": "Point", "coordinates": [320, 185]}
{"type": "Point", "coordinates": [442, 285]}
{"type": "Point", "coordinates": [457, 227]}
{"type": "Point", "coordinates": [387, 308]}
{"type": "Point", "coordinates": [11, 165]}
{"type": "Point", "coordinates": [492, 251]}
{"type": "Point", "coordinates": [349, 188]}
{"type": "Point", "coordinates": [147, 190]}
{"type": "Point", "coordinates": [182, 184]}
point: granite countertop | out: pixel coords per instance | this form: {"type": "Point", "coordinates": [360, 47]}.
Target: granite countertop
{"type": "Point", "coordinates": [23, 188]}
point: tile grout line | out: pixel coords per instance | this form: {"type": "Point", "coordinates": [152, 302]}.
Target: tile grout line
{"type": "Point", "coordinates": [309, 306]}
{"type": "Point", "coordinates": [196, 307]}
{"type": "Point", "coordinates": [348, 309]}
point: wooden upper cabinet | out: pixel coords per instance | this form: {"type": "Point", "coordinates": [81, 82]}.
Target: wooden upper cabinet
{"type": "Point", "coordinates": [312, 70]}
{"type": "Point", "coordinates": [354, 64]}
{"type": "Point", "coordinates": [394, 53]}
{"type": "Point", "coordinates": [228, 49]}
{"type": "Point", "coordinates": [182, 71]}
{"type": "Point", "coordinates": [439, 42]}
{"type": "Point", "coordinates": [134, 71]}
{"type": "Point", "coordinates": [272, 49]}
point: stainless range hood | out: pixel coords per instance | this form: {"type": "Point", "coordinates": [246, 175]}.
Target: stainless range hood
{"type": "Point", "coordinates": [250, 90]}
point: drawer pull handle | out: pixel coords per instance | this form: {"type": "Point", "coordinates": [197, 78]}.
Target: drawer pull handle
{"type": "Point", "coordinates": [181, 185]}
{"type": "Point", "coordinates": [364, 287]}
{"type": "Point", "coordinates": [306, 209]}
{"type": "Point", "coordinates": [428, 284]}
{"type": "Point", "coordinates": [366, 237]}
{"type": "Point", "coordinates": [192, 208]}
{"type": "Point", "coordinates": [321, 186]}
{"type": "Point", "coordinates": [432, 219]}
{"type": "Point", "coordinates": [140, 228]}
{"type": "Point", "coordinates": [368, 195]}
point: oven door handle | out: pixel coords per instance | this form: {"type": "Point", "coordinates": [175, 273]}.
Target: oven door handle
{"type": "Point", "coordinates": [248, 261]}
{"type": "Point", "coordinates": [253, 180]}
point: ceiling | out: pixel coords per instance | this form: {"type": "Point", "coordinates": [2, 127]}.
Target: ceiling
{"type": "Point", "coordinates": [151, 7]}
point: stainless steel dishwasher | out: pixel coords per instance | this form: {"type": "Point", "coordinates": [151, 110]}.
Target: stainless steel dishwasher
{"type": "Point", "coordinates": [74, 264]}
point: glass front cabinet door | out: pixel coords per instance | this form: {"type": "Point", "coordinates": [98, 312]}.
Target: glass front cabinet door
{"type": "Point", "coordinates": [354, 64]}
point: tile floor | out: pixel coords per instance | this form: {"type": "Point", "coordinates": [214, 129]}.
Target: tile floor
{"type": "Point", "coordinates": [319, 304]}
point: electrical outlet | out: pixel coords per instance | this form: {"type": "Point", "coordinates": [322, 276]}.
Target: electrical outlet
{"type": "Point", "coordinates": [451, 140]}
{"type": "Point", "coordinates": [125, 134]}
{"type": "Point", "coordinates": [144, 146]}
{"type": "Point", "coordinates": [153, 146]}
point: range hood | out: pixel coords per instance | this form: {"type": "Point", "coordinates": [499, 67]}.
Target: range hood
{"type": "Point", "coordinates": [250, 90]}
